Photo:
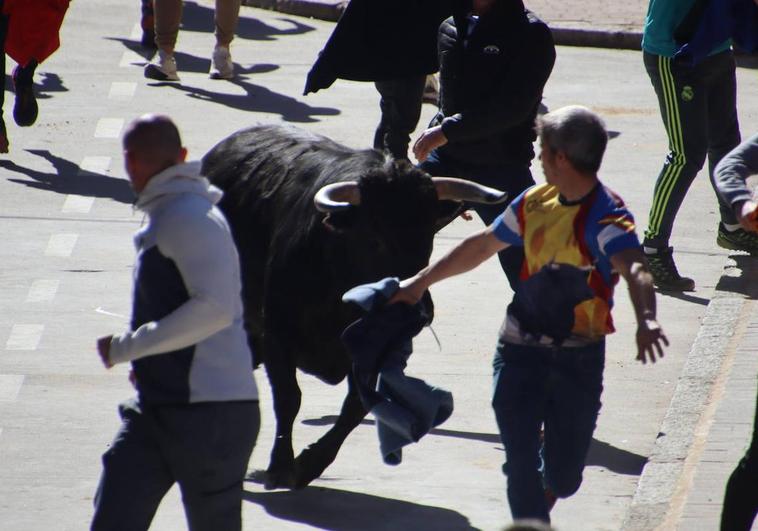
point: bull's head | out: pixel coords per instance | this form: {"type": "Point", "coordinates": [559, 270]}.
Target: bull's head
{"type": "Point", "coordinates": [394, 211]}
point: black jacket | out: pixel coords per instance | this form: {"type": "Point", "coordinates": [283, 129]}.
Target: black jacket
{"type": "Point", "coordinates": [491, 86]}
{"type": "Point", "coordinates": [376, 40]}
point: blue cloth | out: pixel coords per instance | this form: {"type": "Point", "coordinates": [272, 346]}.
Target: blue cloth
{"type": "Point", "coordinates": [557, 387]}
{"type": "Point", "coordinates": [380, 344]}
{"type": "Point", "coordinates": [721, 20]}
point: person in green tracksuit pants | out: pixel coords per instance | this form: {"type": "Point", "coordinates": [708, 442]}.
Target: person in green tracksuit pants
{"type": "Point", "coordinates": [697, 100]}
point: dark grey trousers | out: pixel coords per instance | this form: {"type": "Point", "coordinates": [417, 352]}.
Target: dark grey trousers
{"type": "Point", "coordinates": [400, 103]}
{"type": "Point", "coordinates": [699, 110]}
{"type": "Point", "coordinates": [205, 448]}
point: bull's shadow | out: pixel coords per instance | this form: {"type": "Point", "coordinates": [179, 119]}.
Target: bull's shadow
{"type": "Point", "coordinates": [601, 453]}
{"type": "Point", "coordinates": [339, 510]}
{"type": "Point", "coordinates": [257, 99]}
{"type": "Point", "coordinates": [69, 178]}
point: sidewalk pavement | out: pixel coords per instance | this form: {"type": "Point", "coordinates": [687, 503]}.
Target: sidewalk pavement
{"type": "Point", "coordinates": [597, 23]}
{"type": "Point", "coordinates": [709, 418]}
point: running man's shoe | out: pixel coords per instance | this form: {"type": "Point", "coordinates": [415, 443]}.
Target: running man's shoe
{"type": "Point", "coordinates": [221, 63]}
{"type": "Point", "coordinates": [737, 240]}
{"type": "Point", "coordinates": [664, 271]}
{"type": "Point", "coordinates": [25, 108]}
{"type": "Point", "coordinates": [163, 68]}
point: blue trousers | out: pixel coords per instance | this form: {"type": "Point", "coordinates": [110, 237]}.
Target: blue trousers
{"type": "Point", "coordinates": [512, 178]}
{"type": "Point", "coordinates": [205, 448]}
{"type": "Point", "coordinates": [559, 388]}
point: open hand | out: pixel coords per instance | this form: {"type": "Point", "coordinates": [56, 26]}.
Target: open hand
{"type": "Point", "coordinates": [650, 341]}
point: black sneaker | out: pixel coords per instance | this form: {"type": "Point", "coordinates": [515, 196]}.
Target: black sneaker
{"type": "Point", "coordinates": [25, 108]}
{"type": "Point", "coordinates": [665, 274]}
{"type": "Point", "coordinates": [737, 240]}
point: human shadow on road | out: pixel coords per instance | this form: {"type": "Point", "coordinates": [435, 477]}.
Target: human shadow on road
{"type": "Point", "coordinates": [340, 510]}
{"type": "Point", "coordinates": [601, 453]}
{"type": "Point", "coordinates": [199, 18]}
{"type": "Point", "coordinates": [743, 282]}
{"type": "Point", "coordinates": [69, 178]}
{"type": "Point", "coordinates": [257, 99]}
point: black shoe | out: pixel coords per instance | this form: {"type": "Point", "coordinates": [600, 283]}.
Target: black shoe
{"type": "Point", "coordinates": [737, 240]}
{"type": "Point", "coordinates": [665, 274]}
{"type": "Point", "coordinates": [25, 108]}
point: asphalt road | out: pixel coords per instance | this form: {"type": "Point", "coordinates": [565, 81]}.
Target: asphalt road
{"type": "Point", "coordinates": [66, 222]}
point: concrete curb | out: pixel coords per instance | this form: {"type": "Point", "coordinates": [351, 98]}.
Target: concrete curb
{"type": "Point", "coordinates": [332, 9]}
{"type": "Point", "coordinates": [663, 474]}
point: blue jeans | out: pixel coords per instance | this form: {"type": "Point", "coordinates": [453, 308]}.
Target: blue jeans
{"type": "Point", "coordinates": [556, 387]}
{"type": "Point", "coordinates": [512, 178]}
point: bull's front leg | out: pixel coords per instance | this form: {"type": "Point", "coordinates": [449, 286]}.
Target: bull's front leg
{"type": "Point", "coordinates": [281, 372]}
{"type": "Point", "coordinates": [312, 461]}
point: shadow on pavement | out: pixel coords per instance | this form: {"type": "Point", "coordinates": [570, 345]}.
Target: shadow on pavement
{"type": "Point", "coordinates": [68, 178]}
{"type": "Point", "coordinates": [199, 18]}
{"type": "Point", "coordinates": [50, 83]}
{"type": "Point", "coordinates": [339, 510]}
{"type": "Point", "coordinates": [743, 283]}
{"type": "Point", "coordinates": [601, 453]}
{"type": "Point", "coordinates": [257, 99]}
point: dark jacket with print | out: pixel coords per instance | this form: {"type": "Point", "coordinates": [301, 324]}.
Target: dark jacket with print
{"type": "Point", "coordinates": [491, 86]}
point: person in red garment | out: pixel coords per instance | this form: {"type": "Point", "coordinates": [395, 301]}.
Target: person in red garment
{"type": "Point", "coordinates": [29, 35]}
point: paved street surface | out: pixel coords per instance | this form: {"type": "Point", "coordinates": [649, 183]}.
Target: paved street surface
{"type": "Point", "coordinates": [66, 221]}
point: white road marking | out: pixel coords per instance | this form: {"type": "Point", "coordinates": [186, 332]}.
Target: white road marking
{"type": "Point", "coordinates": [24, 337]}
{"type": "Point", "coordinates": [109, 127]}
{"type": "Point", "coordinates": [61, 245]}
{"type": "Point", "coordinates": [136, 33]}
{"type": "Point", "coordinates": [122, 90]}
{"type": "Point", "coordinates": [129, 58]}
{"type": "Point", "coordinates": [42, 290]}
{"type": "Point", "coordinates": [94, 165]}
{"type": "Point", "coordinates": [77, 204]}
{"type": "Point", "coordinates": [10, 385]}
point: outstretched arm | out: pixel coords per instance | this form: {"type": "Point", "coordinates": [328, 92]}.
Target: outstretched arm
{"type": "Point", "coordinates": [631, 264]}
{"type": "Point", "coordinates": [463, 257]}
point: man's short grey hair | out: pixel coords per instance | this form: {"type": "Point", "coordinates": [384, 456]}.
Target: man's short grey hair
{"type": "Point", "coordinates": [577, 132]}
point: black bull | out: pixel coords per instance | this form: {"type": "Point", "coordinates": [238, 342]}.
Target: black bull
{"type": "Point", "coordinates": [373, 217]}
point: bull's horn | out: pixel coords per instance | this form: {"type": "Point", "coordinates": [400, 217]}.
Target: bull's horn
{"type": "Point", "coordinates": [462, 190]}
{"type": "Point", "coordinates": [337, 196]}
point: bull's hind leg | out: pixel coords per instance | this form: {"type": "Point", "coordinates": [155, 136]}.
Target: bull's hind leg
{"type": "Point", "coordinates": [313, 460]}
{"type": "Point", "coordinates": [281, 373]}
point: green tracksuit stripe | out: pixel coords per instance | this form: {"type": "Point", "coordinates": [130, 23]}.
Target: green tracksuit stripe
{"type": "Point", "coordinates": [673, 170]}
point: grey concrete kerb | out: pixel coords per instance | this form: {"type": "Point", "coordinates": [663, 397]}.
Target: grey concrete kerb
{"type": "Point", "coordinates": [658, 499]}
{"type": "Point", "coordinates": [332, 9]}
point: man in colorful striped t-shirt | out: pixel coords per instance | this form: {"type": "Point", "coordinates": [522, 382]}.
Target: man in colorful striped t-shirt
{"type": "Point", "coordinates": [578, 237]}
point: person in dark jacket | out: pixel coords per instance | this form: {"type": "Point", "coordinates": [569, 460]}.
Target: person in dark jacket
{"type": "Point", "coordinates": [393, 44]}
{"type": "Point", "coordinates": [494, 62]}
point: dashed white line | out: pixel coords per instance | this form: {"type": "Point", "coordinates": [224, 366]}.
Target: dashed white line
{"type": "Point", "coordinates": [129, 58]}
{"type": "Point", "coordinates": [77, 204]}
{"type": "Point", "coordinates": [24, 337]}
{"type": "Point", "coordinates": [61, 245]}
{"type": "Point", "coordinates": [136, 33]}
{"type": "Point", "coordinates": [10, 385]}
{"type": "Point", "coordinates": [122, 90]}
{"type": "Point", "coordinates": [94, 165]}
{"type": "Point", "coordinates": [109, 127]}
{"type": "Point", "coordinates": [42, 290]}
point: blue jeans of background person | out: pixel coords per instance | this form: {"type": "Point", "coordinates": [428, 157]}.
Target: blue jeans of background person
{"type": "Point", "coordinates": [512, 178]}
{"type": "Point", "coordinates": [560, 388]}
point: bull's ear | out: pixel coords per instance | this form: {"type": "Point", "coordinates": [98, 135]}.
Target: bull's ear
{"type": "Point", "coordinates": [447, 211]}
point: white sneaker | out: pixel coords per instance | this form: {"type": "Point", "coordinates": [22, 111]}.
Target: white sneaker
{"type": "Point", "coordinates": [163, 69]}
{"type": "Point", "coordinates": [221, 63]}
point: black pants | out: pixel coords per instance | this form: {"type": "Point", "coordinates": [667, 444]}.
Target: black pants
{"type": "Point", "coordinates": [205, 448]}
{"type": "Point", "coordinates": [400, 103]}
{"type": "Point", "coordinates": [699, 110]}
{"type": "Point", "coordinates": [741, 499]}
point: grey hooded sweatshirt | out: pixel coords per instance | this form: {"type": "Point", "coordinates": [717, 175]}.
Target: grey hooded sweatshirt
{"type": "Point", "coordinates": [186, 343]}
